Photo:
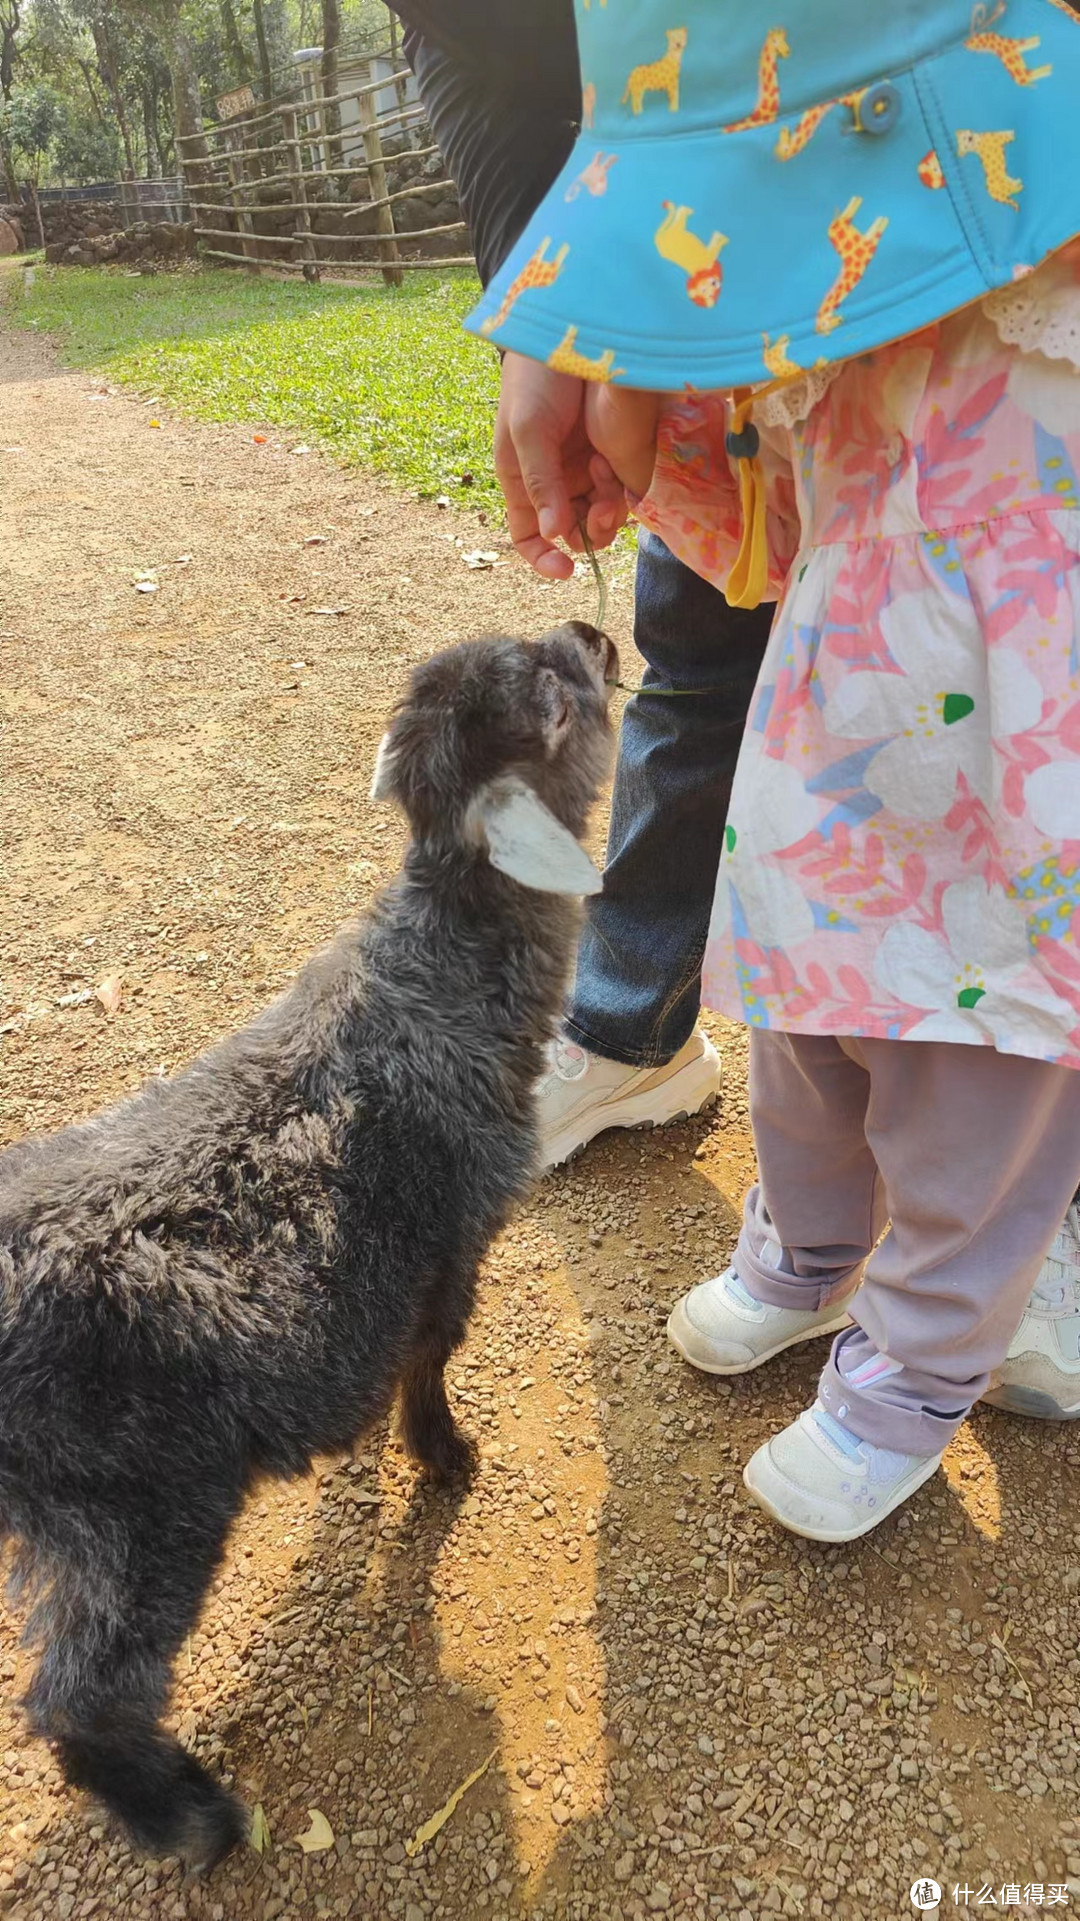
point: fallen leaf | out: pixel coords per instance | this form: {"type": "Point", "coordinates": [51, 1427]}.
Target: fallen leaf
{"type": "Point", "coordinates": [108, 992]}
{"type": "Point", "coordinates": [327, 610]}
{"type": "Point", "coordinates": [438, 1821]}
{"type": "Point", "coordinates": [259, 1835]}
{"type": "Point", "coordinates": [319, 1836]}
{"type": "Point", "coordinates": [479, 558]}
{"type": "Point", "coordinates": [260, 439]}
{"type": "Point", "coordinates": [315, 540]}
{"type": "Point", "coordinates": [155, 423]}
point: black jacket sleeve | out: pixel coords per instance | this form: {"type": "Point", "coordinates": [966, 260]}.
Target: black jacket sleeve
{"type": "Point", "coordinates": [500, 84]}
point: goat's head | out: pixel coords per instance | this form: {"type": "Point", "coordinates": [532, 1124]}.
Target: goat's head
{"type": "Point", "coordinates": [503, 744]}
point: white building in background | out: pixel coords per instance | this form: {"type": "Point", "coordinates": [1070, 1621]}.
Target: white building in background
{"type": "Point", "coordinates": [355, 70]}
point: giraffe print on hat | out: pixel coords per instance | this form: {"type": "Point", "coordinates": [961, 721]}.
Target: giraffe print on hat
{"type": "Point", "coordinates": [538, 271]}
{"type": "Point", "coordinates": [1011, 53]}
{"type": "Point", "coordinates": [658, 76]}
{"type": "Point", "coordinates": [767, 110]}
{"type": "Point", "coordinates": [856, 251]}
{"type": "Point", "coordinates": [792, 140]}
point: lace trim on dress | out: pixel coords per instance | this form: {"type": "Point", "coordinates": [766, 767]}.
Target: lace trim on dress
{"type": "Point", "coordinates": [1041, 313]}
{"type": "Point", "coordinates": [793, 403]}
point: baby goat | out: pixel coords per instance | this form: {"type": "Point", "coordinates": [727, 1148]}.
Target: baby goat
{"type": "Point", "coordinates": [235, 1269]}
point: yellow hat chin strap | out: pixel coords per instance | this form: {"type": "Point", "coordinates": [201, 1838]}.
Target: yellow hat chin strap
{"type": "Point", "coordinates": [748, 581]}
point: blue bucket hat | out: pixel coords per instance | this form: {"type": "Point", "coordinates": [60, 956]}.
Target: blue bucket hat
{"type": "Point", "coordinates": [754, 194]}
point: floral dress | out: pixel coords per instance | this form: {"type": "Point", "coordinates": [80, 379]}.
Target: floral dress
{"type": "Point", "coordinates": [903, 844]}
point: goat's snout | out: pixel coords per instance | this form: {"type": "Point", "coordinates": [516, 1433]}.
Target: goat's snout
{"type": "Point", "coordinates": [602, 651]}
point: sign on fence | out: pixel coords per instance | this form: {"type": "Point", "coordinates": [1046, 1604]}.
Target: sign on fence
{"type": "Point", "coordinates": [240, 100]}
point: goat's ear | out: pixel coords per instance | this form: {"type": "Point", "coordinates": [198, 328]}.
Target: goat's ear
{"type": "Point", "coordinates": [555, 715]}
{"type": "Point", "coordinates": [527, 842]}
{"type": "Point", "coordinates": [382, 780]}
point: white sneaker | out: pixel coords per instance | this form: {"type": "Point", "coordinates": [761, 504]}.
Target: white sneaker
{"type": "Point", "coordinates": [822, 1482]}
{"type": "Point", "coordinates": [581, 1094]}
{"type": "Point", "coordinates": [720, 1328]}
{"type": "Point", "coordinates": [1040, 1375]}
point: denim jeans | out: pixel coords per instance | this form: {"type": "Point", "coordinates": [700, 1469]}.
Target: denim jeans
{"type": "Point", "coordinates": [638, 986]}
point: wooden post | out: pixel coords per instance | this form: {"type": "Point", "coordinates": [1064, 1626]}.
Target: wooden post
{"type": "Point", "coordinates": [384, 217]}
{"type": "Point", "coordinates": [303, 217]}
{"type": "Point", "coordinates": [234, 138]}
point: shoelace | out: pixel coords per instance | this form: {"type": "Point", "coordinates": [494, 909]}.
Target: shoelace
{"type": "Point", "coordinates": [1059, 1291]}
{"type": "Point", "coordinates": [565, 1059]}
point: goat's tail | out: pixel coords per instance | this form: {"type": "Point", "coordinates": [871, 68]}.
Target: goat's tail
{"type": "Point", "coordinates": [166, 1800]}
{"type": "Point", "coordinates": [98, 1696]}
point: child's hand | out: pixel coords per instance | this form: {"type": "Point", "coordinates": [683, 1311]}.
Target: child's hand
{"type": "Point", "coordinates": [621, 424]}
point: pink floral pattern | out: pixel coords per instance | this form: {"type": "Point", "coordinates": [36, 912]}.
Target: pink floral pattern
{"type": "Point", "coordinates": [903, 845]}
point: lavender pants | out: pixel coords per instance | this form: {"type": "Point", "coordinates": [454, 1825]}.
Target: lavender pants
{"type": "Point", "coordinates": [972, 1156]}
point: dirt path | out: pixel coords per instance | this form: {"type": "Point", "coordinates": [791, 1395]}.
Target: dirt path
{"type": "Point", "coordinates": [687, 1713]}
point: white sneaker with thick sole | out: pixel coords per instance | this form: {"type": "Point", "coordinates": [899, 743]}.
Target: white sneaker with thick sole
{"type": "Point", "coordinates": [583, 1094]}
{"type": "Point", "coordinates": [720, 1328]}
{"type": "Point", "coordinates": [819, 1481]}
{"type": "Point", "coordinates": [1040, 1375]}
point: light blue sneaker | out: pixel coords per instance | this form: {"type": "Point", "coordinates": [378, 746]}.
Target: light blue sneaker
{"type": "Point", "coordinates": [818, 1480]}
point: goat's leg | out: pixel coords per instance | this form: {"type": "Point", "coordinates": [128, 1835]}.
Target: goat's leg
{"type": "Point", "coordinates": [100, 1690]}
{"type": "Point", "coordinates": [428, 1428]}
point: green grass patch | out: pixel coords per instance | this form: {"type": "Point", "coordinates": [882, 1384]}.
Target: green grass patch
{"type": "Point", "coordinates": [380, 376]}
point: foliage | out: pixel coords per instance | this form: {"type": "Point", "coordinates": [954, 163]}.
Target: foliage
{"type": "Point", "coordinates": [378, 375]}
{"type": "Point", "coordinates": [32, 120]}
{"type": "Point", "coordinates": [109, 62]}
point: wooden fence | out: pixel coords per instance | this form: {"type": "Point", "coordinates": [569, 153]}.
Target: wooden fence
{"type": "Point", "coordinates": [276, 189]}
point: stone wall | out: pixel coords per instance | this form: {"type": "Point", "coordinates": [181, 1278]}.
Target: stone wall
{"type": "Point", "coordinates": [84, 233]}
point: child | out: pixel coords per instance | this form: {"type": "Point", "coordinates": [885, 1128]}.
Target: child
{"type": "Point", "coordinates": [898, 911]}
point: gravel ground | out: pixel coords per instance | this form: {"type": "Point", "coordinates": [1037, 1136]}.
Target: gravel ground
{"type": "Point", "coordinates": [682, 1711]}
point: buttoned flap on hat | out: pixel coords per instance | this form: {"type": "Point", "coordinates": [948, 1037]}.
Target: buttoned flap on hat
{"type": "Point", "coordinates": [754, 194]}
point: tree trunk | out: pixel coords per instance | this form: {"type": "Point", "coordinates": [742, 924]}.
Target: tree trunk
{"type": "Point", "coordinates": [192, 152]}
{"type": "Point", "coordinates": [264, 52]}
{"type": "Point", "coordinates": [154, 157]}
{"type": "Point", "coordinates": [234, 46]}
{"type": "Point", "coordinates": [7, 167]}
{"type": "Point", "coordinates": [37, 213]}
{"type": "Point", "coordinates": [107, 68]}
{"type": "Point", "coordinates": [331, 29]}
{"type": "Point", "coordinates": [9, 50]}
{"type": "Point", "coordinates": [95, 98]}
{"type": "Point", "coordinates": [10, 21]}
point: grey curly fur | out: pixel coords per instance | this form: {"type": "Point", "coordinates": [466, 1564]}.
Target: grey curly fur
{"type": "Point", "coordinates": [236, 1269]}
